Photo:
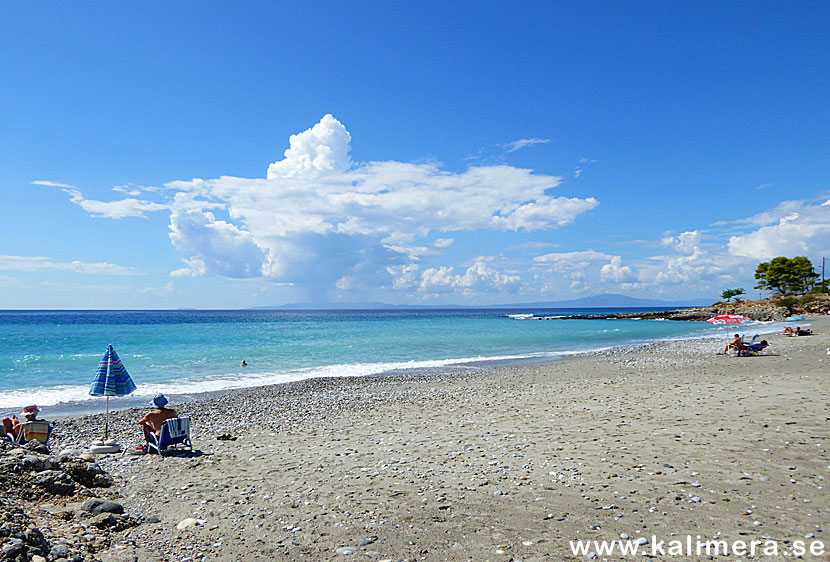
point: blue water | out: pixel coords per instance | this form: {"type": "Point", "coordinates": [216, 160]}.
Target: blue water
{"type": "Point", "coordinates": [49, 358]}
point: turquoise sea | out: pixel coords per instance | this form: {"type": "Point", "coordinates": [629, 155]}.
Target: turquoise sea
{"type": "Point", "coordinates": [50, 357]}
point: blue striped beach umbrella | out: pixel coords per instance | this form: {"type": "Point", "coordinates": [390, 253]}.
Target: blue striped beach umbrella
{"type": "Point", "coordinates": [111, 379]}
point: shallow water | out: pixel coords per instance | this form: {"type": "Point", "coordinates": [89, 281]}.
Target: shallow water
{"type": "Point", "coordinates": [50, 357]}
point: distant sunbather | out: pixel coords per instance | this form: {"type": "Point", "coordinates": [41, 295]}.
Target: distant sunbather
{"type": "Point", "coordinates": [753, 348]}
{"type": "Point", "coordinates": [154, 420]}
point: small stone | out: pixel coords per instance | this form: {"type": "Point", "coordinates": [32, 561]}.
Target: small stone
{"type": "Point", "coordinates": [12, 549]}
{"type": "Point", "coordinates": [189, 522]}
{"type": "Point", "coordinates": [38, 558]}
{"type": "Point", "coordinates": [695, 499]}
{"type": "Point", "coordinates": [104, 520]}
{"type": "Point", "coordinates": [59, 551]}
{"type": "Point", "coordinates": [809, 536]}
{"type": "Point", "coordinates": [96, 506]}
{"type": "Point", "coordinates": [69, 453]}
{"type": "Point", "coordinates": [346, 550]}
{"type": "Point", "coordinates": [624, 536]}
{"type": "Point", "coordinates": [641, 541]}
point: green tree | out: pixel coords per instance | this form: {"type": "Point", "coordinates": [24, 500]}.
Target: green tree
{"type": "Point", "coordinates": [784, 275]}
{"type": "Point", "coordinates": [727, 294]}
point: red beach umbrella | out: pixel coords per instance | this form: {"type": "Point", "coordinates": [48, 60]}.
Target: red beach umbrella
{"type": "Point", "coordinates": [728, 319]}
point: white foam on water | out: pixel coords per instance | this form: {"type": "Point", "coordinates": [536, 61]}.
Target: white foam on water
{"type": "Point", "coordinates": [51, 396]}
{"type": "Point", "coordinates": [11, 400]}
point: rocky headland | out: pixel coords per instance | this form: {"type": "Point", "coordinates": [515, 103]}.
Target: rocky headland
{"type": "Point", "coordinates": [767, 310]}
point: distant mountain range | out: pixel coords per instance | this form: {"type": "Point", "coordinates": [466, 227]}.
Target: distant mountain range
{"type": "Point", "coordinates": [597, 301]}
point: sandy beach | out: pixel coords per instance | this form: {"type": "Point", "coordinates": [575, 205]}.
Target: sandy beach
{"type": "Point", "coordinates": [663, 440]}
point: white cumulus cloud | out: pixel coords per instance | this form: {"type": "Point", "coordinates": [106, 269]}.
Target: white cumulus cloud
{"type": "Point", "coordinates": [322, 149]}
{"type": "Point", "coordinates": [615, 272]}
{"type": "Point", "coordinates": [319, 220]}
{"type": "Point", "coordinates": [793, 228]}
{"type": "Point", "coordinates": [478, 278]}
{"type": "Point", "coordinates": [214, 247]}
{"type": "Point", "coordinates": [315, 204]}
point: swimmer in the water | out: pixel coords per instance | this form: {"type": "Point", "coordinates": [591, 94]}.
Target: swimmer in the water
{"type": "Point", "coordinates": [244, 364]}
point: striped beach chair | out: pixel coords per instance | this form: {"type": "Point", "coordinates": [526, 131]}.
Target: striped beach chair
{"type": "Point", "coordinates": [175, 431]}
{"type": "Point", "coordinates": [38, 430]}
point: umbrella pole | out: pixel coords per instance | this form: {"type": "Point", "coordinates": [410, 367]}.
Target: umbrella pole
{"type": "Point", "coordinates": [107, 420]}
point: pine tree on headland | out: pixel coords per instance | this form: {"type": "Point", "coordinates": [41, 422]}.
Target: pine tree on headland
{"type": "Point", "coordinates": [784, 275]}
{"type": "Point", "coordinates": [727, 294]}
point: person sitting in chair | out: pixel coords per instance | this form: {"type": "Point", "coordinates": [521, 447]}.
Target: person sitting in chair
{"type": "Point", "coordinates": [737, 344]}
{"type": "Point", "coordinates": [13, 426]}
{"type": "Point", "coordinates": [154, 420]}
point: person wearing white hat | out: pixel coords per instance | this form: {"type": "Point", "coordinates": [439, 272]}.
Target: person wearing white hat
{"type": "Point", "coordinates": [154, 420]}
{"type": "Point", "coordinates": [13, 425]}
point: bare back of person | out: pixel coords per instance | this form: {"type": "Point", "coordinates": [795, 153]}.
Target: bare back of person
{"type": "Point", "coordinates": [155, 420]}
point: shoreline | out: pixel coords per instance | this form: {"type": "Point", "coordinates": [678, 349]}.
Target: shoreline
{"type": "Point", "coordinates": [510, 461]}
{"type": "Point", "coordinates": [92, 406]}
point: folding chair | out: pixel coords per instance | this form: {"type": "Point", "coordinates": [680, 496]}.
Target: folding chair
{"type": "Point", "coordinates": [753, 348]}
{"type": "Point", "coordinates": [175, 431]}
{"type": "Point", "coordinates": [38, 430]}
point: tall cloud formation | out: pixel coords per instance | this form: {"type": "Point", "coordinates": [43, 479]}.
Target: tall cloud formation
{"type": "Point", "coordinates": [364, 222]}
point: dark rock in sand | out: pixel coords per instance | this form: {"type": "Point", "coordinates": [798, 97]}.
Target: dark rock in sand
{"type": "Point", "coordinates": [104, 520]}
{"type": "Point", "coordinates": [56, 482]}
{"type": "Point", "coordinates": [96, 506]}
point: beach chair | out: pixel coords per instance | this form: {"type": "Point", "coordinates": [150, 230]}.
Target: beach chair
{"type": "Point", "coordinates": [752, 348]}
{"type": "Point", "coordinates": [175, 431]}
{"type": "Point", "coordinates": [744, 344]}
{"type": "Point", "coordinates": [38, 430]}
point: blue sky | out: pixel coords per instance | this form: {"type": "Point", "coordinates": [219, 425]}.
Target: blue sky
{"type": "Point", "coordinates": [213, 156]}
